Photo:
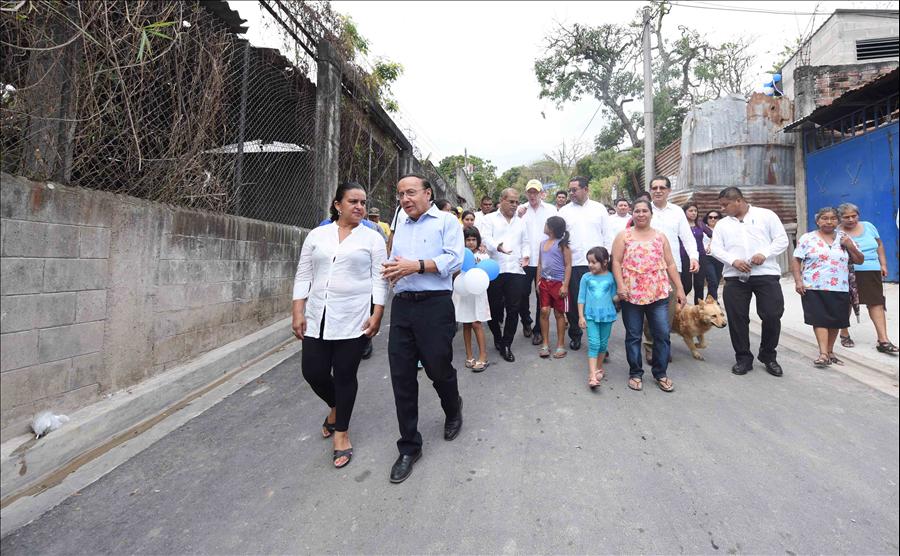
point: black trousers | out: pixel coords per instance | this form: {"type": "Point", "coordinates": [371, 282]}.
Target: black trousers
{"type": "Point", "coordinates": [421, 331]}
{"type": "Point", "coordinates": [525, 304]}
{"type": "Point", "coordinates": [575, 331]}
{"type": "Point", "coordinates": [769, 307]}
{"type": "Point", "coordinates": [505, 293]}
{"type": "Point", "coordinates": [694, 282]}
{"type": "Point", "coordinates": [322, 357]}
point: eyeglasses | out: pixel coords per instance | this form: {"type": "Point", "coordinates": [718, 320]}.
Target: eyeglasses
{"type": "Point", "coordinates": [711, 217]}
{"type": "Point", "coordinates": [514, 203]}
{"type": "Point", "coordinates": [574, 190]}
{"type": "Point", "coordinates": [663, 188]}
{"type": "Point", "coordinates": [410, 194]}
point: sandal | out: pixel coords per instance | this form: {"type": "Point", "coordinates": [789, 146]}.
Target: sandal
{"type": "Point", "coordinates": [560, 353]}
{"type": "Point", "coordinates": [338, 454]}
{"type": "Point", "coordinates": [484, 365]}
{"type": "Point", "coordinates": [470, 363]}
{"type": "Point", "coordinates": [822, 361]}
{"type": "Point", "coordinates": [601, 374]}
{"type": "Point", "coordinates": [886, 347]}
{"type": "Point", "coordinates": [636, 384]}
{"type": "Point", "coordinates": [847, 341]}
{"type": "Point", "coordinates": [545, 352]}
{"type": "Point", "coordinates": [330, 427]}
{"type": "Point", "coordinates": [833, 359]}
{"type": "Point", "coordinates": [663, 387]}
{"type": "Point", "coordinates": [594, 382]}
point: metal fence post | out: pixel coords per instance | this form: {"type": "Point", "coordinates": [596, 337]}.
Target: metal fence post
{"type": "Point", "coordinates": [328, 124]}
{"type": "Point", "coordinates": [242, 123]}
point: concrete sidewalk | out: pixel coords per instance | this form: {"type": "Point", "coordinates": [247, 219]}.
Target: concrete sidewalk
{"type": "Point", "coordinates": [863, 333]}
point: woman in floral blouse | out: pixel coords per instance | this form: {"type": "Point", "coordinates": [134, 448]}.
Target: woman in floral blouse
{"type": "Point", "coordinates": [821, 268]}
{"type": "Point", "coordinates": [644, 268]}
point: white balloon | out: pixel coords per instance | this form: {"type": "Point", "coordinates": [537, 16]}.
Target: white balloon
{"type": "Point", "coordinates": [459, 285]}
{"type": "Point", "coordinates": [477, 281]}
{"type": "Point", "coordinates": [768, 78]}
{"type": "Point", "coordinates": [768, 90]}
{"type": "Point", "coordinates": [758, 89]}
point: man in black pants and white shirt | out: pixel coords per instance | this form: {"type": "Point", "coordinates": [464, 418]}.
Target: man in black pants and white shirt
{"type": "Point", "coordinates": [427, 250]}
{"type": "Point", "coordinates": [748, 241]}
{"type": "Point", "coordinates": [505, 237]}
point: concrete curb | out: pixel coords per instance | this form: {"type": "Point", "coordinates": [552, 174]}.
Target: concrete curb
{"type": "Point", "coordinates": [809, 340]}
{"type": "Point", "coordinates": [25, 462]}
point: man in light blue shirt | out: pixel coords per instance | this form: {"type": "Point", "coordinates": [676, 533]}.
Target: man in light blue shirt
{"type": "Point", "coordinates": [427, 250]}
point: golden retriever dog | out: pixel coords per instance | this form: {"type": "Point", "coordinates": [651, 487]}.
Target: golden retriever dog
{"type": "Point", "coordinates": [694, 321]}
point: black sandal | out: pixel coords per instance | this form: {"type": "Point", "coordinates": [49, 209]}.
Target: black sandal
{"type": "Point", "coordinates": [847, 342]}
{"type": "Point", "coordinates": [338, 454]}
{"type": "Point", "coordinates": [886, 347]}
{"type": "Point", "coordinates": [822, 361]}
{"type": "Point", "coordinates": [663, 387]}
{"type": "Point", "coordinates": [832, 358]}
{"type": "Point", "coordinates": [330, 427]}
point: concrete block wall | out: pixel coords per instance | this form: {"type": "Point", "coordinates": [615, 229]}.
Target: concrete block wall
{"type": "Point", "coordinates": [102, 291]}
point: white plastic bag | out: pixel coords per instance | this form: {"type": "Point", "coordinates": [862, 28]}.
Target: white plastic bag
{"type": "Point", "coordinates": [46, 423]}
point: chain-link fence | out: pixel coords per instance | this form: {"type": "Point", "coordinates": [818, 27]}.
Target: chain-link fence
{"type": "Point", "coordinates": [156, 99]}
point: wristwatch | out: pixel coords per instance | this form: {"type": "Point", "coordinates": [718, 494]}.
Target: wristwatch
{"type": "Point", "coordinates": [421, 266]}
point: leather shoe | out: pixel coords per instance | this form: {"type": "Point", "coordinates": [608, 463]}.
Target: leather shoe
{"type": "Point", "coordinates": [498, 345]}
{"type": "Point", "coordinates": [403, 467]}
{"type": "Point", "coordinates": [773, 368]}
{"type": "Point", "coordinates": [537, 339]}
{"type": "Point", "coordinates": [507, 354]}
{"type": "Point", "coordinates": [367, 351]}
{"type": "Point", "coordinates": [742, 368]}
{"type": "Point", "coordinates": [526, 330]}
{"type": "Point", "coordinates": [575, 344]}
{"type": "Point", "coordinates": [452, 426]}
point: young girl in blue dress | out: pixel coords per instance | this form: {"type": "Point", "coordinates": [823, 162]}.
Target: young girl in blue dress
{"type": "Point", "coordinates": [596, 310]}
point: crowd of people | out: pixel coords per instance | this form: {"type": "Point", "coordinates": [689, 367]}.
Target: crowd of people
{"type": "Point", "coordinates": [587, 264]}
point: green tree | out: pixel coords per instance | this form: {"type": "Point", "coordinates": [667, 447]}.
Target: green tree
{"type": "Point", "coordinates": [603, 62]}
{"type": "Point", "coordinates": [483, 179]}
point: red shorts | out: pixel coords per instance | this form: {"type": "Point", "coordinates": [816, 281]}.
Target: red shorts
{"type": "Point", "coordinates": [549, 293]}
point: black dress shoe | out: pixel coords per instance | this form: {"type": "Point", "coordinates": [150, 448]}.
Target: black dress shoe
{"type": "Point", "coordinates": [452, 426]}
{"type": "Point", "coordinates": [526, 330]}
{"type": "Point", "coordinates": [575, 344]}
{"type": "Point", "coordinates": [367, 351]}
{"type": "Point", "coordinates": [507, 354]}
{"type": "Point", "coordinates": [773, 368]}
{"type": "Point", "coordinates": [742, 368]}
{"type": "Point", "coordinates": [498, 345]}
{"type": "Point", "coordinates": [403, 467]}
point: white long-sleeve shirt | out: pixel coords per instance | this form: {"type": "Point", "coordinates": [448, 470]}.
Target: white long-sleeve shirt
{"type": "Point", "coordinates": [534, 222]}
{"type": "Point", "coordinates": [588, 226]}
{"type": "Point", "coordinates": [672, 222]}
{"type": "Point", "coordinates": [619, 223]}
{"type": "Point", "coordinates": [760, 232]}
{"type": "Point", "coordinates": [339, 278]}
{"type": "Point", "coordinates": [513, 234]}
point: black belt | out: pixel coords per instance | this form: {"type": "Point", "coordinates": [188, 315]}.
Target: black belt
{"type": "Point", "coordinates": [422, 296]}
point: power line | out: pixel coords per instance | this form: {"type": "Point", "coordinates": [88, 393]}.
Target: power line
{"type": "Point", "coordinates": [719, 7]}
{"type": "Point", "coordinates": [589, 123]}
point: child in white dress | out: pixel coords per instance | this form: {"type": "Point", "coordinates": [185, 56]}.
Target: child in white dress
{"type": "Point", "coordinates": [472, 310]}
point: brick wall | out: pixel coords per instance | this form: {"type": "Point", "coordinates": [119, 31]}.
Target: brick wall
{"type": "Point", "coordinates": [835, 81]}
{"type": "Point", "coordinates": [101, 291]}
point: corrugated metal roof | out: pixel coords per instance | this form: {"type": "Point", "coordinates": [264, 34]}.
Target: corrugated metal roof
{"type": "Point", "coordinates": [851, 101]}
{"type": "Point", "coordinates": [229, 17]}
{"type": "Point", "coordinates": [667, 161]}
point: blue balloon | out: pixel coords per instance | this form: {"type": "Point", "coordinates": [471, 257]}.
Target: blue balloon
{"type": "Point", "coordinates": [468, 260]}
{"type": "Point", "coordinates": [769, 84]}
{"type": "Point", "coordinates": [490, 266]}
{"type": "Point", "coordinates": [776, 77]}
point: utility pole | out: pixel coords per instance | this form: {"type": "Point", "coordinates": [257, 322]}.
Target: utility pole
{"type": "Point", "coordinates": [649, 143]}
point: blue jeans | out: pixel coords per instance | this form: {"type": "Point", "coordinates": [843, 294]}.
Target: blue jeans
{"type": "Point", "coordinates": [713, 276]}
{"type": "Point", "coordinates": [657, 314]}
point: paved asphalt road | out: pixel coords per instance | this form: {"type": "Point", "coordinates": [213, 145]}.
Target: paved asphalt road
{"type": "Point", "coordinates": [803, 464]}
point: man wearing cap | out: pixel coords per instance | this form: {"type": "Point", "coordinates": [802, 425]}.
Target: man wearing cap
{"type": "Point", "coordinates": [504, 236]}
{"type": "Point", "coordinates": [534, 215]}
{"type": "Point", "coordinates": [375, 216]}
{"type": "Point", "coordinates": [427, 251]}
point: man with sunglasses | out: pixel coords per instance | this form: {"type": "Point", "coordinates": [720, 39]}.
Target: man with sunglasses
{"type": "Point", "coordinates": [587, 222]}
{"type": "Point", "coordinates": [427, 250]}
{"type": "Point", "coordinates": [669, 219]}
{"type": "Point", "coordinates": [506, 238]}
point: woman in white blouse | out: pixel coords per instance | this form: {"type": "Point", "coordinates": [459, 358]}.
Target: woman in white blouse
{"type": "Point", "coordinates": [338, 275]}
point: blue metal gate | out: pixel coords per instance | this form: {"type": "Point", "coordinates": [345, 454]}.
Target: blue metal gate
{"type": "Point", "coordinates": [860, 168]}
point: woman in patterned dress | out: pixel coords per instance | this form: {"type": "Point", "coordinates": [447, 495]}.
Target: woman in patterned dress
{"type": "Point", "coordinates": [642, 266]}
{"type": "Point", "coordinates": [821, 272]}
